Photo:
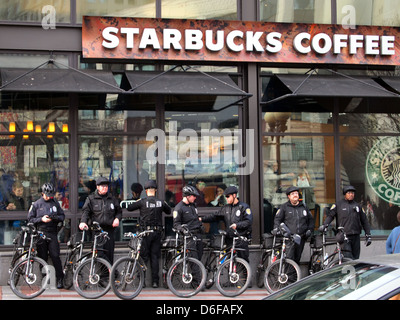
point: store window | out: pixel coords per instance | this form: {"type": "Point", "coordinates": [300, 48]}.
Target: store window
{"type": "Point", "coordinates": [204, 9]}
{"type": "Point", "coordinates": [116, 8]}
{"type": "Point", "coordinates": [34, 150]}
{"type": "Point", "coordinates": [368, 12]}
{"type": "Point", "coordinates": [297, 11]}
{"type": "Point", "coordinates": [306, 162]}
{"type": "Point", "coordinates": [45, 11]}
{"type": "Point", "coordinates": [201, 149]}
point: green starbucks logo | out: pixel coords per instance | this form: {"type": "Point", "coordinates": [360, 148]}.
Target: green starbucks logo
{"type": "Point", "coordinates": [383, 169]}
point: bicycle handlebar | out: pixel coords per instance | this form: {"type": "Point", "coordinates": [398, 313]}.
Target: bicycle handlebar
{"type": "Point", "coordinates": [138, 235]}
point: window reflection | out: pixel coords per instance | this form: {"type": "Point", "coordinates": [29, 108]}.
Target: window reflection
{"type": "Point", "coordinates": [200, 9]}
{"type": "Point", "coordinates": [201, 153]}
{"type": "Point", "coordinates": [121, 159]}
{"type": "Point", "coordinates": [306, 162]}
{"type": "Point", "coordinates": [116, 8]}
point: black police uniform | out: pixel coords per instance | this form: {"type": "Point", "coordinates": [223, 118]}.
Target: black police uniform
{"type": "Point", "coordinates": [103, 209]}
{"type": "Point", "coordinates": [351, 216]}
{"type": "Point", "coordinates": [151, 210]}
{"type": "Point", "coordinates": [239, 214]}
{"type": "Point", "coordinates": [37, 211]}
{"type": "Point", "coordinates": [299, 221]}
{"type": "Point", "coordinates": [186, 214]}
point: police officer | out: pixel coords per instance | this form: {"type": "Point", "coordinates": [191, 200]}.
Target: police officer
{"type": "Point", "coordinates": [351, 216]}
{"type": "Point", "coordinates": [102, 207]}
{"type": "Point", "coordinates": [151, 209]}
{"type": "Point", "coordinates": [185, 213]}
{"type": "Point", "coordinates": [236, 215]}
{"type": "Point", "coordinates": [297, 217]}
{"type": "Point", "coordinates": [47, 214]}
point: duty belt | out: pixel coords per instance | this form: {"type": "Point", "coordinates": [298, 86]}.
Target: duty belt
{"type": "Point", "coordinates": [155, 228]}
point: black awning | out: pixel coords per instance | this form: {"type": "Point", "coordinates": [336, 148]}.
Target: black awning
{"type": "Point", "coordinates": [391, 83]}
{"type": "Point", "coordinates": [181, 83]}
{"type": "Point", "coordinates": [319, 92]}
{"type": "Point", "coordinates": [333, 86]}
{"type": "Point", "coordinates": [58, 80]}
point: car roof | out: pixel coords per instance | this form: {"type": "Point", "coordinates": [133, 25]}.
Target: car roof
{"type": "Point", "coordinates": [392, 260]}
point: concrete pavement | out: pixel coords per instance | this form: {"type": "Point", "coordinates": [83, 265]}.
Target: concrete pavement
{"type": "Point", "coordinates": [146, 294]}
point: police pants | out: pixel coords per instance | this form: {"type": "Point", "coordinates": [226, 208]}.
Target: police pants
{"type": "Point", "coordinates": [151, 251]}
{"type": "Point", "coordinates": [351, 249]}
{"type": "Point", "coordinates": [51, 247]}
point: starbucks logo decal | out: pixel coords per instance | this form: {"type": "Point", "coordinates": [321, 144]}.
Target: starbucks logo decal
{"type": "Point", "coordinates": [383, 169]}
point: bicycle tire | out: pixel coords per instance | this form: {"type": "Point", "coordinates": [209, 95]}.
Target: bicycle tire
{"type": "Point", "coordinates": [316, 263]}
{"type": "Point", "coordinates": [188, 285]}
{"type": "Point", "coordinates": [211, 267]}
{"type": "Point", "coordinates": [290, 274]}
{"type": "Point", "coordinates": [336, 262]}
{"type": "Point", "coordinates": [35, 284]}
{"type": "Point", "coordinates": [92, 287]}
{"type": "Point", "coordinates": [232, 285]}
{"type": "Point", "coordinates": [127, 278]}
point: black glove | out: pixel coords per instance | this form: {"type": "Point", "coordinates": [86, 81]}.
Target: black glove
{"type": "Point", "coordinates": [368, 240]}
{"type": "Point", "coordinates": [308, 234]}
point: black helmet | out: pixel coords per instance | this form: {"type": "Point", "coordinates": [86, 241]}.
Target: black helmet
{"type": "Point", "coordinates": [137, 187]}
{"type": "Point", "coordinates": [48, 189]}
{"type": "Point", "coordinates": [292, 189]}
{"type": "Point", "coordinates": [230, 190]}
{"type": "Point", "coordinates": [189, 190]}
{"type": "Point", "coordinates": [348, 188]}
{"type": "Point", "coordinates": [150, 184]}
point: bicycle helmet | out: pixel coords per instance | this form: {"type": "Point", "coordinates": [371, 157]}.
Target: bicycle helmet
{"type": "Point", "coordinates": [48, 189]}
{"type": "Point", "coordinates": [189, 190]}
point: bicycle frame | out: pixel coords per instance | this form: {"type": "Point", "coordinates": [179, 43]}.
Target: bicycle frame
{"type": "Point", "coordinates": [135, 252]}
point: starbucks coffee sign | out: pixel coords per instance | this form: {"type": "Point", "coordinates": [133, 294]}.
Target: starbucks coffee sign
{"type": "Point", "coordinates": [383, 169]}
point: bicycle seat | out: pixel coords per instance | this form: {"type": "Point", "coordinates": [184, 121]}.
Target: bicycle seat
{"type": "Point", "coordinates": [222, 232]}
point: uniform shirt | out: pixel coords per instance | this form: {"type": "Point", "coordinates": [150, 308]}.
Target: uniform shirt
{"type": "Point", "coordinates": [186, 214]}
{"type": "Point", "coordinates": [151, 210]}
{"type": "Point", "coordinates": [350, 215]}
{"type": "Point", "coordinates": [239, 214]}
{"type": "Point", "coordinates": [40, 208]}
{"type": "Point", "coordinates": [296, 217]}
{"type": "Point", "coordinates": [102, 209]}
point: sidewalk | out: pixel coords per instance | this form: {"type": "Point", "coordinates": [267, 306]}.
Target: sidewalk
{"type": "Point", "coordinates": [146, 294]}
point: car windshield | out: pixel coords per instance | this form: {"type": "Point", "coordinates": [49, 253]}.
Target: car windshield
{"type": "Point", "coordinates": [334, 283]}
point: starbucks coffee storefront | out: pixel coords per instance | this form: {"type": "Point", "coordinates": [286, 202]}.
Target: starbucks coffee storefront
{"type": "Point", "coordinates": [260, 105]}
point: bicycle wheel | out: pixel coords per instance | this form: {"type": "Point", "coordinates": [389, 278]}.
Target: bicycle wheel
{"type": "Point", "coordinates": [29, 278]}
{"type": "Point", "coordinates": [211, 267]}
{"type": "Point", "coordinates": [127, 278]}
{"type": "Point", "coordinates": [92, 284]}
{"type": "Point", "coordinates": [235, 282]}
{"type": "Point", "coordinates": [274, 281]}
{"type": "Point", "coordinates": [186, 278]}
{"type": "Point", "coordinates": [336, 262]}
{"type": "Point", "coordinates": [316, 263]}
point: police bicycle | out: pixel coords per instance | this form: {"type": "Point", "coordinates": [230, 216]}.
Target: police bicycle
{"type": "Point", "coordinates": [187, 275]}
{"type": "Point", "coordinates": [30, 277]}
{"type": "Point", "coordinates": [73, 257]}
{"type": "Point", "coordinates": [92, 276]}
{"type": "Point", "coordinates": [270, 246]}
{"type": "Point", "coordinates": [283, 271]}
{"type": "Point", "coordinates": [128, 273]}
{"type": "Point", "coordinates": [216, 256]}
{"type": "Point", "coordinates": [233, 276]}
{"type": "Point", "coordinates": [172, 247]}
{"type": "Point", "coordinates": [320, 259]}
